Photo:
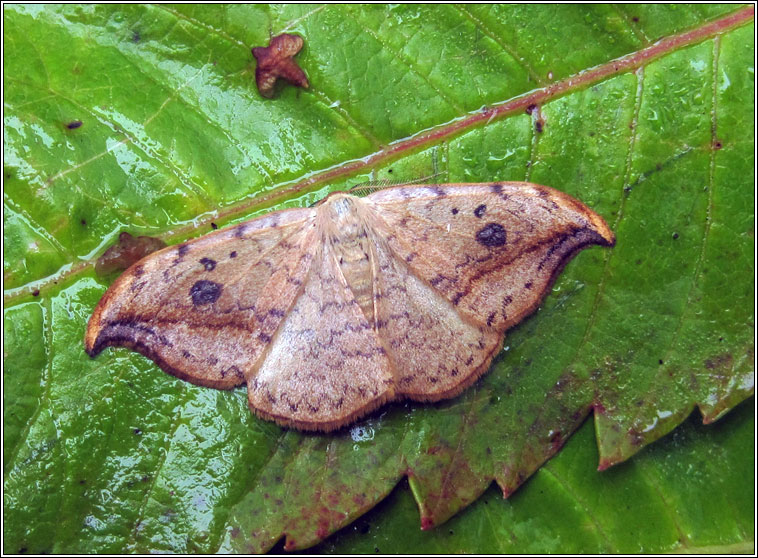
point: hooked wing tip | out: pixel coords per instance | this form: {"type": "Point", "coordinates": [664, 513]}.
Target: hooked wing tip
{"type": "Point", "coordinates": [90, 339]}
{"type": "Point", "coordinates": [607, 238]}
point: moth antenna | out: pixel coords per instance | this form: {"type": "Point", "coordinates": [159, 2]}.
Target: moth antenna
{"type": "Point", "coordinates": [366, 188]}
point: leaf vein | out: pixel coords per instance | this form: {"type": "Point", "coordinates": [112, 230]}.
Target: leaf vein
{"type": "Point", "coordinates": [510, 49]}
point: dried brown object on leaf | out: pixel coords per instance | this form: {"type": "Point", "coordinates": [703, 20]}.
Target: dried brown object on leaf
{"type": "Point", "coordinates": [328, 312]}
{"type": "Point", "coordinates": [276, 61]}
{"type": "Point", "coordinates": [127, 251]}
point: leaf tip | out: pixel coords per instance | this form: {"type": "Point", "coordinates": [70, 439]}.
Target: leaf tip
{"type": "Point", "coordinates": [427, 523]}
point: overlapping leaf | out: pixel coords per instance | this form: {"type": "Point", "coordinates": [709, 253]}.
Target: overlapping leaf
{"type": "Point", "coordinates": [113, 455]}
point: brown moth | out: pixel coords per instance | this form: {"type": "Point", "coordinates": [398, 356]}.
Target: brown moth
{"type": "Point", "coordinates": [327, 313]}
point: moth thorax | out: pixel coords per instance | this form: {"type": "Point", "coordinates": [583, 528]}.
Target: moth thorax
{"type": "Point", "coordinates": [351, 246]}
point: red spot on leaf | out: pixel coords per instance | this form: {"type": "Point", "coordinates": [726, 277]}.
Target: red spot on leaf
{"type": "Point", "coordinates": [333, 498]}
{"type": "Point", "coordinates": [604, 464]}
{"type": "Point", "coordinates": [635, 437]}
{"type": "Point", "coordinates": [556, 441]}
{"type": "Point", "coordinates": [323, 529]}
{"type": "Point", "coordinates": [359, 500]}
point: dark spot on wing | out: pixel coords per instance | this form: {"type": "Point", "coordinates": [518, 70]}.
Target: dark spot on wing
{"type": "Point", "coordinates": [479, 211]}
{"type": "Point", "coordinates": [233, 254]}
{"type": "Point", "coordinates": [205, 292]}
{"type": "Point", "coordinates": [454, 211]}
{"type": "Point", "coordinates": [498, 189]}
{"type": "Point", "coordinates": [437, 191]}
{"type": "Point", "coordinates": [492, 235]}
{"type": "Point", "coordinates": [208, 264]}
{"type": "Point", "coordinates": [73, 125]}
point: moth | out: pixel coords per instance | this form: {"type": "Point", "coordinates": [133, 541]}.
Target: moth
{"type": "Point", "coordinates": [326, 313]}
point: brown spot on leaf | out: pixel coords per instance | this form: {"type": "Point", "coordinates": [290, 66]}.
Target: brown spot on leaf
{"type": "Point", "coordinates": [721, 361]}
{"type": "Point", "coordinates": [276, 61]}
{"type": "Point", "coordinates": [126, 252]}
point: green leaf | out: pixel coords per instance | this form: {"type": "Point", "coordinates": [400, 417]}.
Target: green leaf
{"type": "Point", "coordinates": [672, 497]}
{"type": "Point", "coordinates": [112, 455]}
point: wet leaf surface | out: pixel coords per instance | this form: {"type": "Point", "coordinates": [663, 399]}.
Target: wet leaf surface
{"type": "Point", "coordinates": [112, 455]}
